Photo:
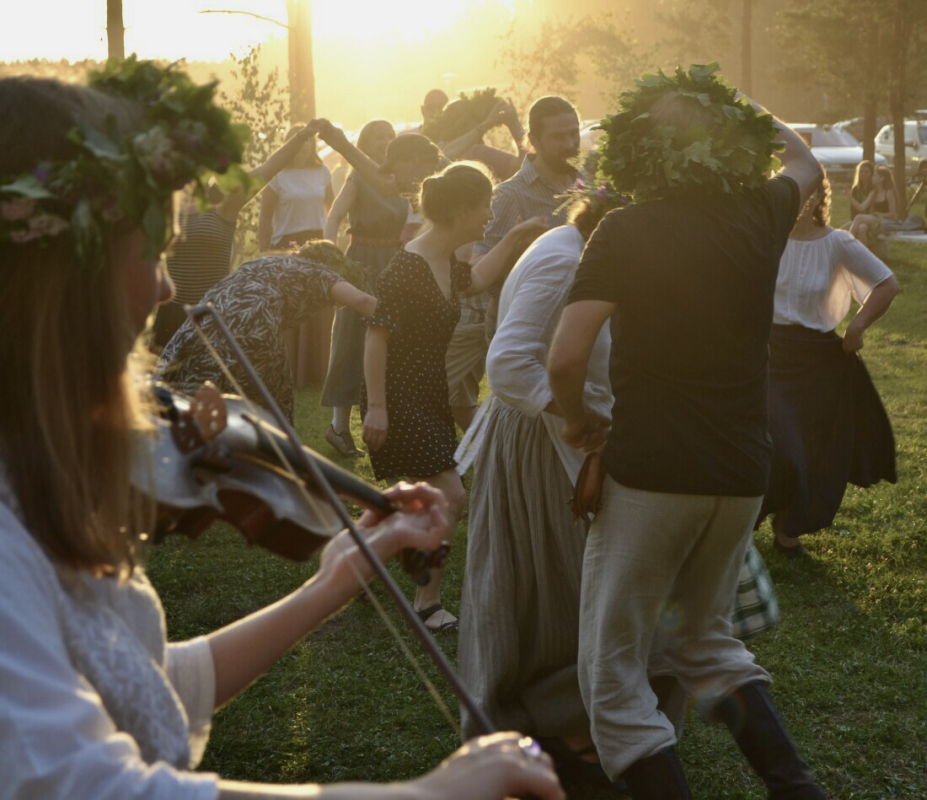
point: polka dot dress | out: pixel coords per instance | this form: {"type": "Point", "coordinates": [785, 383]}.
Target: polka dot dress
{"type": "Point", "coordinates": [421, 438]}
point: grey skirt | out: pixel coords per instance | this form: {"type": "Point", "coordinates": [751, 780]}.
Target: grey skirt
{"type": "Point", "coordinates": [520, 606]}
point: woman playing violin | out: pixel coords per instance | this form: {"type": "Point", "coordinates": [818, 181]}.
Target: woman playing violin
{"type": "Point", "coordinates": [93, 702]}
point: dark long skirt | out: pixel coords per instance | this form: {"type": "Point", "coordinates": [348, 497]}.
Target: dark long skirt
{"type": "Point", "coordinates": [828, 428]}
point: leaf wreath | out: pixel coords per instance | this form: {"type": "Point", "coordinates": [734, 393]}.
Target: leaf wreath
{"type": "Point", "coordinates": [116, 177]}
{"type": "Point", "coordinates": [461, 115]}
{"type": "Point", "coordinates": [650, 161]}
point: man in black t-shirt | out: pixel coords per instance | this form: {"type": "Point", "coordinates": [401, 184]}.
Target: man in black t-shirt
{"type": "Point", "coordinates": [687, 278]}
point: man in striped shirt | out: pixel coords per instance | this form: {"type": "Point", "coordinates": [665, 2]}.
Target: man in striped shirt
{"type": "Point", "coordinates": [537, 189]}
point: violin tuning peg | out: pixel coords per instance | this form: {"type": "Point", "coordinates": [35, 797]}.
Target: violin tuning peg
{"type": "Point", "coordinates": [209, 412]}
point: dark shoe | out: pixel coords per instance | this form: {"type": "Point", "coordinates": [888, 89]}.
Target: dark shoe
{"type": "Point", "coordinates": [343, 442]}
{"type": "Point", "coordinates": [657, 777]}
{"type": "Point", "coordinates": [762, 737]}
{"type": "Point", "coordinates": [798, 551]}
{"type": "Point", "coordinates": [570, 763]}
{"type": "Point", "coordinates": [427, 613]}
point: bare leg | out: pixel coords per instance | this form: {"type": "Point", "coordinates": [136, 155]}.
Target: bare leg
{"type": "Point", "coordinates": [862, 234]}
{"type": "Point", "coordinates": [429, 595]}
{"type": "Point", "coordinates": [790, 545]}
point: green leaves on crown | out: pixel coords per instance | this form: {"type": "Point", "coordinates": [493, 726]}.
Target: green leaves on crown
{"type": "Point", "coordinates": [183, 137]}
{"type": "Point", "coordinates": [651, 161]}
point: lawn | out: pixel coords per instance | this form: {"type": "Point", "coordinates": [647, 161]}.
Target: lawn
{"type": "Point", "coordinates": [849, 658]}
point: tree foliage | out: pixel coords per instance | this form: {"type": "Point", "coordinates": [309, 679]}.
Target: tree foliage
{"type": "Point", "coordinates": [563, 52]}
{"type": "Point", "coordinates": [260, 101]}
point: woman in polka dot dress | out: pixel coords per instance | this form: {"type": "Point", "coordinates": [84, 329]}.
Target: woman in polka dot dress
{"type": "Point", "coordinates": [407, 415]}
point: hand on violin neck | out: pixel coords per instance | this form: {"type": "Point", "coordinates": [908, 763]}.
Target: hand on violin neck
{"type": "Point", "coordinates": [418, 523]}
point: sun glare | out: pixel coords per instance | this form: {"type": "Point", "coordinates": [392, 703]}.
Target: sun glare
{"type": "Point", "coordinates": [365, 20]}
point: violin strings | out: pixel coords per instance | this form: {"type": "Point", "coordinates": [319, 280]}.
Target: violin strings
{"type": "Point", "coordinates": [314, 503]}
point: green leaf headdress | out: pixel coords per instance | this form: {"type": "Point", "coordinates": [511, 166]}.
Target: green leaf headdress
{"type": "Point", "coordinates": [730, 150]}
{"type": "Point", "coordinates": [117, 178]}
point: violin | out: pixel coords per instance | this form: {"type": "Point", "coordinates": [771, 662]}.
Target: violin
{"type": "Point", "coordinates": [216, 457]}
{"type": "Point", "coordinates": [219, 457]}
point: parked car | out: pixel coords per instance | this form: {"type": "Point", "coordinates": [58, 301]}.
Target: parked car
{"type": "Point", "coordinates": [915, 144]}
{"type": "Point", "coordinates": [837, 150]}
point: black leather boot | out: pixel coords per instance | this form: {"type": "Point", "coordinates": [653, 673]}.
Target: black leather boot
{"type": "Point", "coordinates": [657, 777]}
{"type": "Point", "coordinates": [762, 737]}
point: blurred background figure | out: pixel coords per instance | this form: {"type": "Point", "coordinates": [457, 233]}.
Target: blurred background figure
{"type": "Point", "coordinates": [293, 210]}
{"type": "Point", "coordinates": [260, 301]}
{"type": "Point", "coordinates": [880, 204]}
{"type": "Point", "coordinates": [376, 223]}
{"type": "Point", "coordinates": [826, 420]}
{"type": "Point", "coordinates": [201, 254]}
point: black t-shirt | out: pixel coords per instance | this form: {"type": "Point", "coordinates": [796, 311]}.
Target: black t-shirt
{"type": "Point", "coordinates": [693, 280]}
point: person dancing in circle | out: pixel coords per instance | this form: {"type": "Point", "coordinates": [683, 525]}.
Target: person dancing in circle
{"type": "Point", "coordinates": [408, 423]}
{"type": "Point", "coordinates": [827, 423]}
{"type": "Point", "coordinates": [376, 221]}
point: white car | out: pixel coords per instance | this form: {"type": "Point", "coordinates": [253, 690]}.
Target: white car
{"type": "Point", "coordinates": [915, 144]}
{"type": "Point", "coordinates": [837, 150]}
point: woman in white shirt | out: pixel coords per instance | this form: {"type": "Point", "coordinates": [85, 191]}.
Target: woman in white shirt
{"type": "Point", "coordinates": [826, 420]}
{"type": "Point", "coordinates": [94, 703]}
{"type": "Point", "coordinates": [293, 210]}
{"type": "Point", "coordinates": [296, 201]}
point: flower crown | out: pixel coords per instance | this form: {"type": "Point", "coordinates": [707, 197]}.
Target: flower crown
{"type": "Point", "coordinates": [115, 178]}
{"type": "Point", "coordinates": [598, 194]}
{"type": "Point", "coordinates": [651, 161]}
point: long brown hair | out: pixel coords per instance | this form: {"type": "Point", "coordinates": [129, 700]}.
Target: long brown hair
{"type": "Point", "coordinates": [862, 186]}
{"type": "Point", "coordinates": [69, 406]}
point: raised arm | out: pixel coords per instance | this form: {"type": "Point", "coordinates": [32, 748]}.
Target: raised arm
{"type": "Point", "coordinates": [366, 167]}
{"type": "Point", "coordinates": [503, 113]}
{"type": "Point", "coordinates": [798, 163]}
{"type": "Point", "coordinates": [234, 201]}
{"type": "Point", "coordinates": [342, 206]}
{"type": "Point", "coordinates": [497, 263]}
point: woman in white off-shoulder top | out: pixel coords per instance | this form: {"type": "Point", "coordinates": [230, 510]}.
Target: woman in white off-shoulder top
{"type": "Point", "coordinates": [827, 423]}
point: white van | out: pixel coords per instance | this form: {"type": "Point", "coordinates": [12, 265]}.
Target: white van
{"type": "Point", "coordinates": [915, 144]}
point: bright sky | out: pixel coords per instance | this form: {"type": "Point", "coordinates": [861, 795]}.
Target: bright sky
{"type": "Point", "coordinates": [76, 29]}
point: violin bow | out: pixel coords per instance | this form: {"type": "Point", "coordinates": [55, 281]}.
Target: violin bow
{"type": "Point", "coordinates": [480, 720]}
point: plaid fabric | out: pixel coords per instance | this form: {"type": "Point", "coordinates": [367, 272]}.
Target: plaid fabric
{"type": "Point", "coordinates": [756, 609]}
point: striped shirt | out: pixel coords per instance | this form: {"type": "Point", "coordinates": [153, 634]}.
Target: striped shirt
{"type": "Point", "coordinates": [526, 194]}
{"type": "Point", "coordinates": [201, 256]}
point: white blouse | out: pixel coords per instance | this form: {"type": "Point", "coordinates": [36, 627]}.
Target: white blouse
{"type": "Point", "coordinates": [301, 201]}
{"type": "Point", "coordinates": [93, 702]}
{"type": "Point", "coordinates": [818, 277]}
{"type": "Point", "coordinates": [530, 305]}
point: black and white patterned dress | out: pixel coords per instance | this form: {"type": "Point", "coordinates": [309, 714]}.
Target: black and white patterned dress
{"type": "Point", "coordinates": [258, 301]}
{"type": "Point", "coordinates": [421, 438]}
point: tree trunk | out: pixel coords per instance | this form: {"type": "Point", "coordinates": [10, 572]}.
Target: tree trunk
{"type": "Point", "coordinates": [870, 126]}
{"type": "Point", "coordinates": [115, 31]}
{"type": "Point", "coordinates": [746, 48]}
{"type": "Point", "coordinates": [898, 94]}
{"type": "Point", "coordinates": [302, 74]}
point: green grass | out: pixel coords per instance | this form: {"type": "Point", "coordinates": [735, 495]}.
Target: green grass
{"type": "Point", "coordinates": [849, 658]}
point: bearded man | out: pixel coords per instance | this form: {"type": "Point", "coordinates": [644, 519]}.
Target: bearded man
{"type": "Point", "coordinates": [537, 189]}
